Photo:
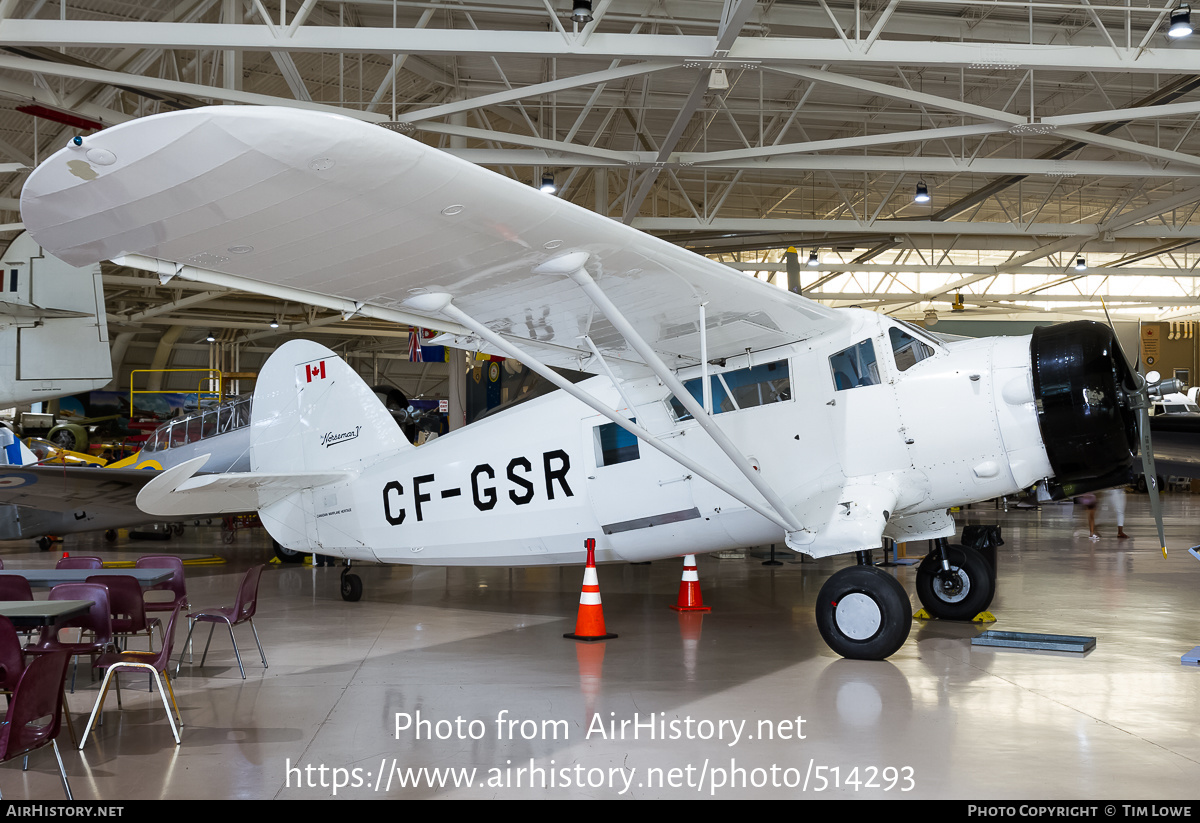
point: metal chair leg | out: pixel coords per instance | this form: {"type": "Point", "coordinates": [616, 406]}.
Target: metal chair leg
{"type": "Point", "coordinates": [204, 656]}
{"type": "Point", "coordinates": [256, 640]}
{"type": "Point", "coordinates": [235, 650]}
{"type": "Point", "coordinates": [66, 710]}
{"type": "Point", "coordinates": [188, 643]}
{"type": "Point", "coordinates": [62, 771]}
{"type": "Point", "coordinates": [163, 694]}
{"type": "Point", "coordinates": [171, 692]}
{"type": "Point", "coordinates": [108, 675]}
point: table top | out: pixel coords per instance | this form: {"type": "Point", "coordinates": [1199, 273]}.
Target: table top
{"type": "Point", "coordinates": [52, 577]}
{"type": "Point", "coordinates": [27, 613]}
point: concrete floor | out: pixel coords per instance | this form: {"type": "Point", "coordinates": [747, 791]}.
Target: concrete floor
{"type": "Point", "coordinates": [940, 719]}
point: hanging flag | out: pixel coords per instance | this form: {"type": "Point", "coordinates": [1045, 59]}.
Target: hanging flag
{"type": "Point", "coordinates": [431, 354]}
{"type": "Point", "coordinates": [414, 345]}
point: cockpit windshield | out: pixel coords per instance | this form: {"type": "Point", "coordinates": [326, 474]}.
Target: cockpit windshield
{"type": "Point", "coordinates": [231, 415]}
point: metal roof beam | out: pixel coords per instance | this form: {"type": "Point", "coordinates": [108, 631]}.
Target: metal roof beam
{"type": "Point", "coordinates": [773, 51]}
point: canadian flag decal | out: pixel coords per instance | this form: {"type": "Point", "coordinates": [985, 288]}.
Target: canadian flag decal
{"type": "Point", "coordinates": [316, 372]}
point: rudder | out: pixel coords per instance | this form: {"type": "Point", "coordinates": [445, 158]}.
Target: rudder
{"type": "Point", "coordinates": [312, 412]}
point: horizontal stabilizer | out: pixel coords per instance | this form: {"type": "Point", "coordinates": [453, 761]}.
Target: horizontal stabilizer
{"type": "Point", "coordinates": [178, 493]}
{"type": "Point", "coordinates": [25, 311]}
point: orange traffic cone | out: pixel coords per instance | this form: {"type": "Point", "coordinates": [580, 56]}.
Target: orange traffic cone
{"type": "Point", "coordinates": [689, 589]}
{"type": "Point", "coordinates": [589, 625]}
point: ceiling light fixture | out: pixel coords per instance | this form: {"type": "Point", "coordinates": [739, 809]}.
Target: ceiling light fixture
{"type": "Point", "coordinates": [812, 258]}
{"type": "Point", "coordinates": [1181, 21]}
{"type": "Point", "coordinates": [581, 11]}
{"type": "Point", "coordinates": [922, 195]}
{"type": "Point", "coordinates": [210, 337]}
{"type": "Point", "coordinates": [274, 323]}
{"type": "Point", "coordinates": [1080, 263]}
{"type": "Point", "coordinates": [548, 186]}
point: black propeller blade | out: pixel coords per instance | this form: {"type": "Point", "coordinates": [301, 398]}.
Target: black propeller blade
{"type": "Point", "coordinates": [1138, 396]}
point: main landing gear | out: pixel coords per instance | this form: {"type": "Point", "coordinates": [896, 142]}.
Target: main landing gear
{"type": "Point", "coordinates": [863, 612]}
{"type": "Point", "coordinates": [955, 582]}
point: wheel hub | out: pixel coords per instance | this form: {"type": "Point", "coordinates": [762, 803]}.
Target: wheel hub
{"type": "Point", "coordinates": [858, 616]}
{"type": "Point", "coordinates": [952, 586]}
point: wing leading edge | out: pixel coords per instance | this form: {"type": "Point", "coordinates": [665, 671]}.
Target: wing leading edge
{"type": "Point", "coordinates": [334, 206]}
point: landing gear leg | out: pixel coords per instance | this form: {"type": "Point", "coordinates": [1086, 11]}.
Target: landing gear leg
{"type": "Point", "coordinates": [955, 582]}
{"type": "Point", "coordinates": [863, 612]}
{"type": "Point", "coordinates": [352, 587]}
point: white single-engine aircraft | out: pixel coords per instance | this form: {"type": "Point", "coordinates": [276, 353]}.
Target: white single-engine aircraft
{"type": "Point", "coordinates": [725, 411]}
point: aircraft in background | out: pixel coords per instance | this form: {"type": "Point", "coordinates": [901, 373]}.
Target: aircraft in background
{"type": "Point", "coordinates": [53, 329]}
{"type": "Point", "coordinates": [40, 498]}
{"type": "Point", "coordinates": [726, 411]}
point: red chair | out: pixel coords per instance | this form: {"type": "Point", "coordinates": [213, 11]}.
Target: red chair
{"type": "Point", "coordinates": [97, 620]}
{"type": "Point", "coordinates": [35, 711]}
{"type": "Point", "coordinates": [175, 584]}
{"type": "Point", "coordinates": [14, 587]}
{"type": "Point", "coordinates": [79, 562]}
{"type": "Point", "coordinates": [242, 611]}
{"type": "Point", "coordinates": [128, 610]}
{"type": "Point", "coordinates": [154, 662]}
{"type": "Point", "coordinates": [12, 660]}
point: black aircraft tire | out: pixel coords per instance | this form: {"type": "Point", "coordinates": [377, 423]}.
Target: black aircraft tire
{"type": "Point", "coordinates": [287, 555]}
{"type": "Point", "coordinates": [352, 588]}
{"type": "Point", "coordinates": [863, 613]}
{"type": "Point", "coordinates": [975, 576]}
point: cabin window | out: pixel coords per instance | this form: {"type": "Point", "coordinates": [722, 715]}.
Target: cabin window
{"type": "Point", "coordinates": [178, 434]}
{"type": "Point", "coordinates": [615, 445]}
{"type": "Point", "coordinates": [855, 366]}
{"type": "Point", "coordinates": [907, 350]}
{"type": "Point", "coordinates": [741, 389]}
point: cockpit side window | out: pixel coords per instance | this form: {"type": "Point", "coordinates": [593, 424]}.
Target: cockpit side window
{"type": "Point", "coordinates": [907, 350]}
{"type": "Point", "coordinates": [855, 367]}
{"type": "Point", "coordinates": [615, 445]}
{"type": "Point", "coordinates": [740, 389]}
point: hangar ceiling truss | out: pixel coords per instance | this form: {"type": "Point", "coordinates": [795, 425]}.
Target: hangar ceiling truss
{"type": "Point", "coordinates": [1044, 130]}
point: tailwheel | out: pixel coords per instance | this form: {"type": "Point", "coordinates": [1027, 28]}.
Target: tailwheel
{"type": "Point", "coordinates": [352, 587]}
{"type": "Point", "coordinates": [863, 613]}
{"type": "Point", "coordinates": [959, 593]}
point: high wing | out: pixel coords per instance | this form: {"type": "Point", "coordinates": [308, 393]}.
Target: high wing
{"type": "Point", "coordinates": [333, 206]}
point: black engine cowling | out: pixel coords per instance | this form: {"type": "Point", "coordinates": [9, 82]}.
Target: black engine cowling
{"type": "Point", "coordinates": [1084, 391]}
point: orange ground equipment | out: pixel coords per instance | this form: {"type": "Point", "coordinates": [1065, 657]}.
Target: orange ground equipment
{"type": "Point", "coordinates": [689, 599]}
{"type": "Point", "coordinates": [589, 625]}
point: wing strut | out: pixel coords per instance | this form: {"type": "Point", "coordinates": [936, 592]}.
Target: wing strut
{"type": "Point", "coordinates": [573, 266]}
{"type": "Point", "coordinates": [442, 304]}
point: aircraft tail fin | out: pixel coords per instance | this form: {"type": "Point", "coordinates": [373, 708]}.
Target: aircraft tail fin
{"type": "Point", "coordinates": [313, 413]}
{"type": "Point", "coordinates": [53, 329]}
{"type": "Point", "coordinates": [12, 451]}
{"type": "Point", "coordinates": [314, 426]}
